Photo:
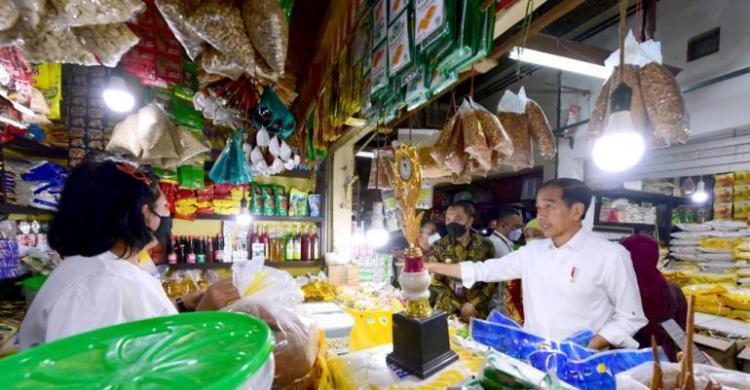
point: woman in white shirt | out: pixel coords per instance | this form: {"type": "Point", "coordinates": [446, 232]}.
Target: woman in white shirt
{"type": "Point", "coordinates": [110, 210]}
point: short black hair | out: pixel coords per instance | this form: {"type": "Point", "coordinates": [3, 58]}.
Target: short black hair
{"type": "Point", "coordinates": [101, 205]}
{"type": "Point", "coordinates": [467, 207]}
{"type": "Point", "coordinates": [506, 212]}
{"type": "Point", "coordinates": [573, 191]}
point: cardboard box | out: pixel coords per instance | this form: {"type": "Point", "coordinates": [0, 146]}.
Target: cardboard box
{"type": "Point", "coordinates": [722, 350]}
{"type": "Point", "coordinates": [744, 360]}
{"type": "Point", "coordinates": [343, 275]}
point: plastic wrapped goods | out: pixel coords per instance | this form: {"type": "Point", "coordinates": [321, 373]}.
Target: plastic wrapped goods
{"type": "Point", "coordinates": [108, 42]}
{"type": "Point", "coordinates": [9, 14]}
{"type": "Point", "coordinates": [175, 13]}
{"type": "Point", "coordinates": [47, 45]}
{"type": "Point", "coordinates": [475, 141]}
{"type": "Point", "coordinates": [540, 130]}
{"type": "Point", "coordinates": [220, 24]}
{"type": "Point", "coordinates": [497, 138]}
{"type": "Point", "coordinates": [664, 103]}
{"type": "Point", "coordinates": [268, 29]}
{"type": "Point", "coordinates": [214, 61]}
{"type": "Point", "coordinates": [599, 113]}
{"type": "Point", "coordinates": [73, 13]}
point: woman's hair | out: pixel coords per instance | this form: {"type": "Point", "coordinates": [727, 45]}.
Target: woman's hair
{"type": "Point", "coordinates": [102, 204]}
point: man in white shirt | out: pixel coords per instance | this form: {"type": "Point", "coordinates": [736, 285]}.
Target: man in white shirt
{"type": "Point", "coordinates": [507, 230]}
{"type": "Point", "coordinates": [572, 280]}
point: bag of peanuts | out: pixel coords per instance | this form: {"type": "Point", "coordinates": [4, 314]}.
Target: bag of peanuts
{"type": "Point", "coordinates": [662, 97]}
{"type": "Point", "coordinates": [498, 140]}
{"type": "Point", "coordinates": [475, 140]}
{"type": "Point", "coordinates": [539, 127]}
{"type": "Point", "coordinates": [629, 74]}
{"type": "Point", "coordinates": [175, 13]}
{"type": "Point", "coordinates": [512, 114]}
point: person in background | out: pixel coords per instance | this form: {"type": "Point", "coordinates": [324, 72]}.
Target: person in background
{"type": "Point", "coordinates": [428, 235]}
{"type": "Point", "coordinates": [458, 246]}
{"type": "Point", "coordinates": [507, 230]}
{"type": "Point", "coordinates": [661, 299]}
{"type": "Point", "coordinates": [110, 210]}
{"type": "Point", "coordinates": [572, 280]}
{"type": "Point", "coordinates": [438, 218]}
{"type": "Point", "coordinates": [533, 231]}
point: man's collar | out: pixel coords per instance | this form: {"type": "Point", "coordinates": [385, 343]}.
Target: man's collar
{"type": "Point", "coordinates": [577, 242]}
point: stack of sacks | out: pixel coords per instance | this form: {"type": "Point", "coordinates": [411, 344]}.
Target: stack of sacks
{"type": "Point", "coordinates": [708, 297]}
{"type": "Point", "coordinates": [711, 246]}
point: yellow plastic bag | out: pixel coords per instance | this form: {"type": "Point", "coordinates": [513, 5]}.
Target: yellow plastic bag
{"type": "Point", "coordinates": [737, 299]}
{"type": "Point", "coordinates": [371, 328]}
{"type": "Point", "coordinates": [704, 289]}
{"type": "Point", "coordinates": [716, 310]}
{"type": "Point", "coordinates": [719, 243]}
{"type": "Point", "coordinates": [700, 278]}
{"type": "Point", "coordinates": [742, 315]}
{"type": "Point", "coordinates": [709, 300]}
{"type": "Point", "coordinates": [48, 79]}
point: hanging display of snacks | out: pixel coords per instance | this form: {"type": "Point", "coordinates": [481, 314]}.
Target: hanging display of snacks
{"type": "Point", "coordinates": [175, 13]}
{"type": "Point", "coordinates": [379, 22]}
{"type": "Point", "coordinates": [512, 113]}
{"type": "Point", "coordinates": [433, 25]}
{"type": "Point", "coordinates": [268, 29]}
{"type": "Point", "coordinates": [273, 115]}
{"type": "Point", "coordinates": [220, 24]}
{"type": "Point", "coordinates": [379, 72]}
{"type": "Point", "coordinates": [231, 167]}
{"type": "Point", "coordinates": [48, 79]}
{"type": "Point", "coordinates": [86, 116]}
{"type": "Point", "coordinates": [400, 47]}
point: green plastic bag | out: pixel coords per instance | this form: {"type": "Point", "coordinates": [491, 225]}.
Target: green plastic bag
{"type": "Point", "coordinates": [231, 167]}
{"type": "Point", "coordinates": [192, 177]}
{"type": "Point", "coordinates": [272, 114]}
{"type": "Point", "coordinates": [201, 350]}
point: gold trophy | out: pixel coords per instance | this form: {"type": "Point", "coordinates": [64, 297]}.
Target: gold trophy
{"type": "Point", "coordinates": [420, 336]}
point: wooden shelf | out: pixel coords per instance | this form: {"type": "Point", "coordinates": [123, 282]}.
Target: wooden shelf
{"type": "Point", "coordinates": [637, 226]}
{"type": "Point", "coordinates": [262, 218]}
{"type": "Point", "coordinates": [275, 264]}
{"type": "Point", "coordinates": [6, 208]}
{"type": "Point", "coordinates": [296, 263]}
{"type": "Point", "coordinates": [641, 196]}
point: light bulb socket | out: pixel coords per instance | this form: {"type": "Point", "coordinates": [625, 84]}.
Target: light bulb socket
{"type": "Point", "coordinates": [621, 98]}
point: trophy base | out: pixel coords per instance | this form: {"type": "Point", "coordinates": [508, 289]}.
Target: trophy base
{"type": "Point", "coordinates": [421, 345]}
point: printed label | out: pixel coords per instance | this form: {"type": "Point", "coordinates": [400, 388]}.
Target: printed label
{"type": "Point", "coordinates": [430, 16]}
{"type": "Point", "coordinates": [398, 44]}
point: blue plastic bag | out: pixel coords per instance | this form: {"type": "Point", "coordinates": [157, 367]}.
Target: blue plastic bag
{"type": "Point", "coordinates": [231, 167]}
{"type": "Point", "coordinates": [272, 114]}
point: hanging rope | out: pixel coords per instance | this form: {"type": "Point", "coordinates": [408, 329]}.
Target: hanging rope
{"type": "Point", "coordinates": [526, 27]}
{"type": "Point", "coordinates": [640, 21]}
{"type": "Point", "coordinates": [411, 117]}
{"type": "Point", "coordinates": [623, 20]}
{"type": "Point", "coordinates": [471, 84]}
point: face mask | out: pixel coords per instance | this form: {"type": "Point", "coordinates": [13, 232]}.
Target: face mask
{"type": "Point", "coordinates": [515, 234]}
{"type": "Point", "coordinates": [164, 230]}
{"type": "Point", "coordinates": [433, 239]}
{"type": "Point", "coordinates": [455, 230]}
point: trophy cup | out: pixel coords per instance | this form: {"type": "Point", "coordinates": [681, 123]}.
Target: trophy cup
{"type": "Point", "coordinates": [420, 336]}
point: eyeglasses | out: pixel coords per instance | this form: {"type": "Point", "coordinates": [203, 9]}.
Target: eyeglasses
{"type": "Point", "coordinates": [134, 172]}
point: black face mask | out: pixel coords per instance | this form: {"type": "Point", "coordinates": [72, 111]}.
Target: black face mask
{"type": "Point", "coordinates": [455, 230]}
{"type": "Point", "coordinates": [164, 230]}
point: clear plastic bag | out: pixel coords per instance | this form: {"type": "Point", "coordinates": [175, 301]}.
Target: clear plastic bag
{"type": "Point", "coordinates": [220, 24]}
{"type": "Point", "coordinates": [213, 61]}
{"type": "Point", "coordinates": [175, 13]}
{"type": "Point", "coordinates": [664, 103]}
{"type": "Point", "coordinates": [124, 138]}
{"type": "Point", "coordinates": [48, 45]}
{"type": "Point", "coordinates": [475, 141]}
{"type": "Point", "coordinates": [31, 12]}
{"type": "Point", "coordinates": [272, 296]}
{"type": "Point", "coordinates": [108, 42]}
{"type": "Point", "coordinates": [497, 138]}
{"type": "Point", "coordinates": [9, 14]}
{"type": "Point", "coordinates": [512, 114]}
{"type": "Point", "coordinates": [539, 127]}
{"type": "Point", "coordinates": [268, 29]}
{"type": "Point", "coordinates": [75, 13]}
{"type": "Point", "coordinates": [599, 113]}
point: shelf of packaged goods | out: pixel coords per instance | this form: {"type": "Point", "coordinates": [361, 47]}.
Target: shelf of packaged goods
{"type": "Point", "coordinates": [6, 208]}
{"type": "Point", "coordinates": [262, 218]}
{"type": "Point", "coordinates": [31, 147]}
{"type": "Point", "coordinates": [641, 196]}
{"type": "Point", "coordinates": [637, 226]}
{"type": "Point", "coordinates": [275, 264]}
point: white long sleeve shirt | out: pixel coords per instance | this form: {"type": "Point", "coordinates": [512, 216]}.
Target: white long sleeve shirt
{"type": "Point", "coordinates": [86, 293]}
{"type": "Point", "coordinates": [502, 244]}
{"type": "Point", "coordinates": [588, 283]}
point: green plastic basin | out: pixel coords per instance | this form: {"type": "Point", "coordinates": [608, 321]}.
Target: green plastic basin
{"type": "Point", "coordinates": [203, 350]}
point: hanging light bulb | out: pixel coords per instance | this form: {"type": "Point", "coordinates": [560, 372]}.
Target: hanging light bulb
{"type": "Point", "coordinates": [700, 195]}
{"type": "Point", "coordinates": [688, 187]}
{"type": "Point", "coordinates": [244, 218]}
{"type": "Point", "coordinates": [377, 236]}
{"type": "Point", "coordinates": [116, 95]}
{"type": "Point", "coordinates": [621, 146]}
